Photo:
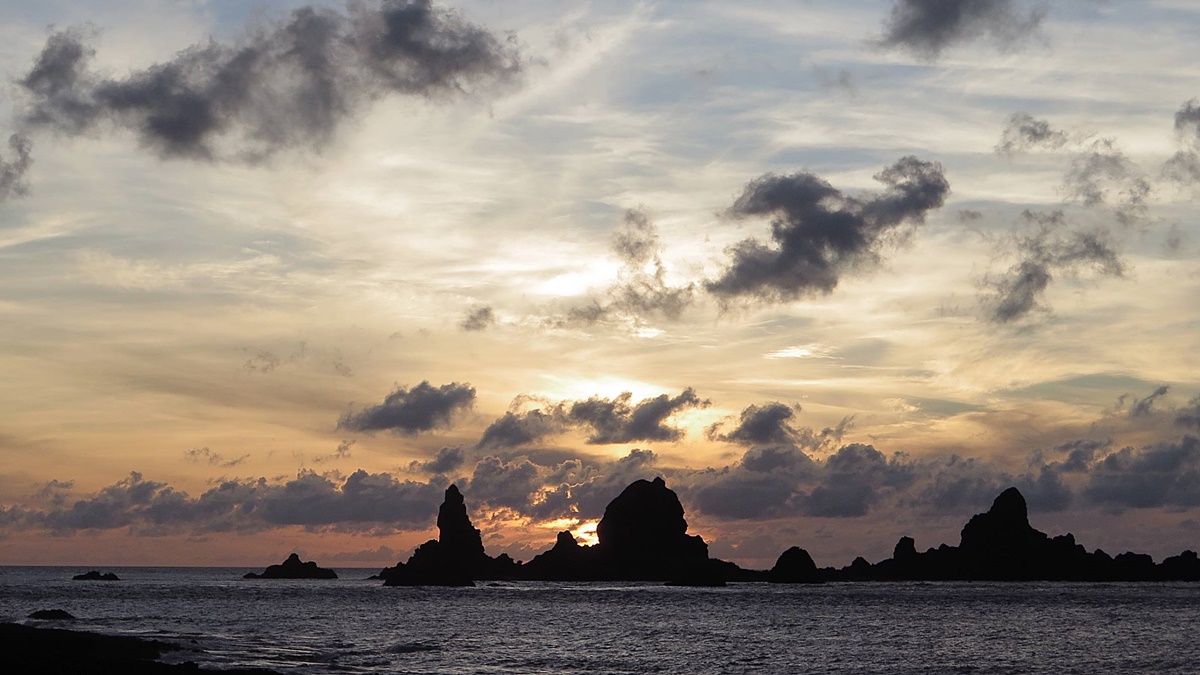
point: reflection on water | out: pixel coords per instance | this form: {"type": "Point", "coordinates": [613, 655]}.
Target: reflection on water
{"type": "Point", "coordinates": [354, 625]}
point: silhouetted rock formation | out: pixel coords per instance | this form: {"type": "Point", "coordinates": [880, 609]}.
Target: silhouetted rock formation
{"type": "Point", "coordinates": [52, 615]}
{"type": "Point", "coordinates": [455, 558]}
{"type": "Point", "coordinates": [1001, 545]}
{"type": "Point", "coordinates": [293, 568]}
{"type": "Point", "coordinates": [795, 566]}
{"type": "Point", "coordinates": [95, 575]}
{"type": "Point", "coordinates": [53, 651]}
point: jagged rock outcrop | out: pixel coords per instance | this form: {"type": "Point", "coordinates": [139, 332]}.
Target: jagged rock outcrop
{"type": "Point", "coordinates": [795, 566]}
{"type": "Point", "coordinates": [293, 568]}
{"type": "Point", "coordinates": [455, 558]}
{"type": "Point", "coordinates": [95, 575]}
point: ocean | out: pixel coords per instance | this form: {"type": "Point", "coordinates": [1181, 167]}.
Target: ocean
{"type": "Point", "coordinates": [352, 625]}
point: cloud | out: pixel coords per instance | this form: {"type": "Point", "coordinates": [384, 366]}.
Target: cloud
{"type": "Point", "coordinates": [616, 421]}
{"type": "Point", "coordinates": [1096, 174]}
{"type": "Point", "coordinates": [1184, 166]}
{"type": "Point", "coordinates": [1165, 474]}
{"type": "Point", "coordinates": [929, 27]}
{"type": "Point", "coordinates": [13, 169]}
{"type": "Point", "coordinates": [517, 429]}
{"type": "Point", "coordinates": [362, 501]}
{"type": "Point", "coordinates": [412, 411]}
{"type": "Point", "coordinates": [821, 234]}
{"type": "Point", "coordinates": [288, 85]}
{"type": "Point", "coordinates": [1187, 121]}
{"type": "Point", "coordinates": [1025, 132]}
{"type": "Point", "coordinates": [205, 455]}
{"type": "Point", "coordinates": [498, 483]}
{"type": "Point", "coordinates": [1144, 407]}
{"type": "Point", "coordinates": [446, 460]}
{"type": "Point", "coordinates": [854, 479]}
{"type": "Point", "coordinates": [642, 289]}
{"type": "Point", "coordinates": [771, 424]}
{"type": "Point", "coordinates": [478, 319]}
{"type": "Point", "coordinates": [1189, 416]}
{"type": "Point", "coordinates": [1051, 248]}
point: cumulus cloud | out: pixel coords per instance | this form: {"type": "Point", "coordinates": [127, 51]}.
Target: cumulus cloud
{"type": "Point", "coordinates": [287, 85]}
{"type": "Point", "coordinates": [854, 478]}
{"type": "Point", "coordinates": [1046, 247]}
{"type": "Point", "coordinates": [446, 460]}
{"type": "Point", "coordinates": [1165, 474]}
{"type": "Point", "coordinates": [614, 420]}
{"type": "Point", "coordinates": [1025, 132]}
{"type": "Point", "coordinates": [478, 319]}
{"type": "Point", "coordinates": [14, 167]}
{"type": "Point", "coordinates": [819, 233]}
{"type": "Point", "coordinates": [498, 483]}
{"type": "Point", "coordinates": [1184, 166]}
{"type": "Point", "coordinates": [929, 27]}
{"type": "Point", "coordinates": [771, 424]}
{"type": "Point", "coordinates": [1189, 415]}
{"type": "Point", "coordinates": [363, 501]}
{"type": "Point", "coordinates": [412, 411]}
{"type": "Point", "coordinates": [516, 429]}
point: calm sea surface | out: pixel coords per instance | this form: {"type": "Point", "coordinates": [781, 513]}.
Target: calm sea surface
{"type": "Point", "coordinates": [356, 626]}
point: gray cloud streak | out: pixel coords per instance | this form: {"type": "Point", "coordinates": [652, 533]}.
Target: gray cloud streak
{"type": "Point", "coordinates": [1024, 132]}
{"type": "Point", "coordinates": [289, 85]}
{"type": "Point", "coordinates": [13, 168]}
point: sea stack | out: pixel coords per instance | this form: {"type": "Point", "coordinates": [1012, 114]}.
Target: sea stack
{"type": "Point", "coordinates": [293, 568]}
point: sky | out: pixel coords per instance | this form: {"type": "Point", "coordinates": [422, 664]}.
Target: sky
{"type": "Point", "coordinates": [273, 274]}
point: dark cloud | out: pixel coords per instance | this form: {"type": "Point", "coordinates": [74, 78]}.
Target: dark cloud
{"type": "Point", "coordinates": [13, 181]}
{"type": "Point", "coordinates": [616, 421]}
{"type": "Point", "coordinates": [362, 501]}
{"type": "Point", "coordinates": [577, 488]}
{"type": "Point", "coordinates": [771, 424]}
{"type": "Point", "coordinates": [288, 85]}
{"type": "Point", "coordinates": [1187, 121]}
{"type": "Point", "coordinates": [819, 233]}
{"type": "Point", "coordinates": [1162, 475]}
{"type": "Point", "coordinates": [928, 27]}
{"type": "Point", "coordinates": [854, 479]}
{"type": "Point", "coordinates": [1080, 454]}
{"type": "Point", "coordinates": [516, 429]}
{"type": "Point", "coordinates": [739, 495]}
{"type": "Point", "coordinates": [208, 456]}
{"type": "Point", "coordinates": [1104, 175]}
{"type": "Point", "coordinates": [641, 289]}
{"type": "Point", "coordinates": [1183, 167]}
{"type": "Point", "coordinates": [1052, 247]}
{"type": "Point", "coordinates": [412, 411]}
{"type": "Point", "coordinates": [446, 460]}
{"type": "Point", "coordinates": [498, 483]}
{"type": "Point", "coordinates": [1025, 132]}
{"type": "Point", "coordinates": [342, 452]}
{"type": "Point", "coordinates": [479, 318]}
{"type": "Point", "coordinates": [1144, 407]}
{"type": "Point", "coordinates": [1189, 416]}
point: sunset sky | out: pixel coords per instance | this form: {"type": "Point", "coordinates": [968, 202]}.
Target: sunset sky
{"type": "Point", "coordinates": [273, 274]}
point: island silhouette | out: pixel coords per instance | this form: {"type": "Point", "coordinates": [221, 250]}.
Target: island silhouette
{"type": "Point", "coordinates": [643, 537]}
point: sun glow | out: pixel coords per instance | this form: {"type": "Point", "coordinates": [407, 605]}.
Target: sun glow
{"type": "Point", "coordinates": [586, 533]}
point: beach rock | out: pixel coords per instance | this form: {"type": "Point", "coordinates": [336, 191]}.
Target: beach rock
{"type": "Point", "coordinates": [795, 566]}
{"type": "Point", "coordinates": [95, 575]}
{"type": "Point", "coordinates": [293, 568]}
{"type": "Point", "coordinates": [643, 536]}
{"type": "Point", "coordinates": [52, 615]}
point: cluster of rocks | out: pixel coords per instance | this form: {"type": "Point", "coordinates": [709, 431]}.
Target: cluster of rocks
{"type": "Point", "coordinates": [643, 537]}
{"type": "Point", "coordinates": [96, 575]}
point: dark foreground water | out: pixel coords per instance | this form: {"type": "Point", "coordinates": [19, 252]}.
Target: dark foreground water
{"type": "Point", "coordinates": [355, 626]}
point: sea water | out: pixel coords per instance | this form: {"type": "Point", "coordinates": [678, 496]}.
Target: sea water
{"type": "Point", "coordinates": [352, 625]}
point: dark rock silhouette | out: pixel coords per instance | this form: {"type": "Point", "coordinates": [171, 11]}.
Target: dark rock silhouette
{"type": "Point", "coordinates": [52, 651]}
{"type": "Point", "coordinates": [1001, 545]}
{"type": "Point", "coordinates": [293, 568]}
{"type": "Point", "coordinates": [795, 566]}
{"type": "Point", "coordinates": [95, 575]}
{"type": "Point", "coordinates": [52, 615]}
{"type": "Point", "coordinates": [643, 537]}
{"type": "Point", "coordinates": [455, 558]}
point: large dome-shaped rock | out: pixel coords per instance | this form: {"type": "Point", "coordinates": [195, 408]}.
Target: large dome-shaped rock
{"type": "Point", "coordinates": [643, 535]}
{"type": "Point", "coordinates": [293, 568]}
{"type": "Point", "coordinates": [795, 566]}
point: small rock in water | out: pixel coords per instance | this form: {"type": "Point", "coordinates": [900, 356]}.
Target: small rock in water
{"type": "Point", "coordinates": [95, 575]}
{"type": "Point", "coordinates": [412, 647]}
{"type": "Point", "coordinates": [52, 615]}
